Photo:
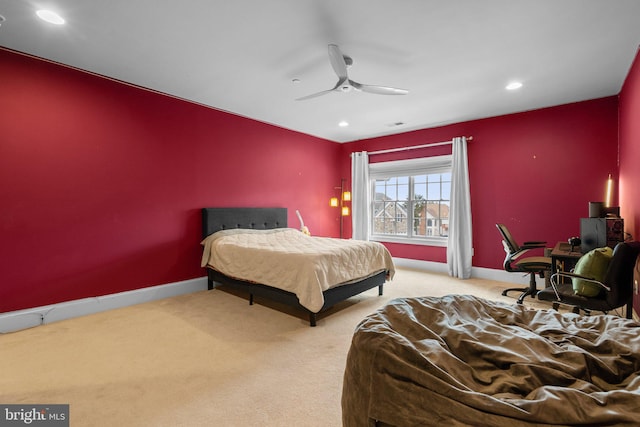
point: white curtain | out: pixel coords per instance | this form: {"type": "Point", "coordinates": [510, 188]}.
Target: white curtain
{"type": "Point", "coordinates": [360, 196]}
{"type": "Point", "coordinates": [459, 246]}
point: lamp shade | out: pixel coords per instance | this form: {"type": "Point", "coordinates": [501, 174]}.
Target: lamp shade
{"type": "Point", "coordinates": [346, 196]}
{"type": "Point", "coordinates": [609, 193]}
{"type": "Point", "coordinates": [345, 210]}
{"type": "Point", "coordinates": [333, 202]}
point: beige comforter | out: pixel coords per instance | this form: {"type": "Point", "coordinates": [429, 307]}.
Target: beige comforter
{"type": "Point", "coordinates": [464, 361]}
{"type": "Point", "coordinates": [287, 259]}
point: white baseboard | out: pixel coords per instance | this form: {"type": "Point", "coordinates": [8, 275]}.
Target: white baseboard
{"type": "Point", "coordinates": [28, 318]}
{"type": "Point", "coordinates": [476, 272]}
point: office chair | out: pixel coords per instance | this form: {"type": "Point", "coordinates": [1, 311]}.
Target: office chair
{"type": "Point", "coordinates": [514, 262]}
{"type": "Point", "coordinates": [617, 285]}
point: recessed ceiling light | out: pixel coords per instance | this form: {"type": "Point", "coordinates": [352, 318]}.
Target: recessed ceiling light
{"type": "Point", "coordinates": [343, 124]}
{"type": "Point", "coordinates": [513, 86]}
{"type": "Point", "coordinates": [50, 16]}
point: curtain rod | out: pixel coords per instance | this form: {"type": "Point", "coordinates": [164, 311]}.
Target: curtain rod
{"type": "Point", "coordinates": [433, 144]}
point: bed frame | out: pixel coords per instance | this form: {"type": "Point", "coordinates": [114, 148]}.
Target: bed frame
{"type": "Point", "coordinates": [216, 219]}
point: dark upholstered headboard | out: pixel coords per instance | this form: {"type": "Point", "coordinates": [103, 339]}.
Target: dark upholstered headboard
{"type": "Point", "coordinates": [216, 219]}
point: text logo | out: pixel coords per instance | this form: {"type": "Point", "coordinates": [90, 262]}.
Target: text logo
{"type": "Point", "coordinates": [34, 415]}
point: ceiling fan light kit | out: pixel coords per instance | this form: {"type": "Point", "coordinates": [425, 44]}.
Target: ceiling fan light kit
{"type": "Point", "coordinates": [340, 62]}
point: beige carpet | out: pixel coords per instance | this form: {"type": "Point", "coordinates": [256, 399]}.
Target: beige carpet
{"type": "Point", "coordinates": [203, 359]}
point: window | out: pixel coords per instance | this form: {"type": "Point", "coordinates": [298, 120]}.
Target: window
{"type": "Point", "coordinates": [410, 200]}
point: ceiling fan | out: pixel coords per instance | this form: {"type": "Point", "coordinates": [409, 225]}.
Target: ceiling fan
{"type": "Point", "coordinates": [340, 62]}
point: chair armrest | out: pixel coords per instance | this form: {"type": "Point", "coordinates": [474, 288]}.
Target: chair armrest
{"type": "Point", "coordinates": [554, 280]}
{"type": "Point", "coordinates": [526, 247]}
{"type": "Point", "coordinates": [533, 244]}
{"type": "Point", "coordinates": [523, 250]}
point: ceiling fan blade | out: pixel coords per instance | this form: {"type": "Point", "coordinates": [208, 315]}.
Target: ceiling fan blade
{"type": "Point", "coordinates": [337, 61]}
{"type": "Point", "coordinates": [380, 90]}
{"type": "Point", "coordinates": [324, 92]}
{"type": "Point", "coordinates": [315, 95]}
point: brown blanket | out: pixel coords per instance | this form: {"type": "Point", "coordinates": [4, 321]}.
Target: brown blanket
{"type": "Point", "coordinates": [461, 360]}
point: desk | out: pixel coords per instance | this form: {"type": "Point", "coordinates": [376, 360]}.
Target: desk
{"type": "Point", "coordinates": [563, 258]}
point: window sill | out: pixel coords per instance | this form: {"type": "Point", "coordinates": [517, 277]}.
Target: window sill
{"type": "Point", "coordinates": [441, 242]}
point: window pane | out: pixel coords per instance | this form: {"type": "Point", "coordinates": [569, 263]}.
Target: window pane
{"type": "Point", "coordinates": [403, 192]}
{"type": "Point", "coordinates": [433, 190]}
{"type": "Point", "coordinates": [420, 190]}
{"type": "Point", "coordinates": [391, 192]}
{"type": "Point", "coordinates": [446, 190]}
{"type": "Point", "coordinates": [419, 216]}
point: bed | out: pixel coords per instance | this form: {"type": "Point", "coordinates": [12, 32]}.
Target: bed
{"type": "Point", "coordinates": [462, 360]}
{"type": "Point", "coordinates": [238, 253]}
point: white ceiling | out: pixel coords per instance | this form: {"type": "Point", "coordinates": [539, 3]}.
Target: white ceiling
{"type": "Point", "coordinates": [454, 56]}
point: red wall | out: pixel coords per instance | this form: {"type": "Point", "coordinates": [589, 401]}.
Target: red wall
{"type": "Point", "coordinates": [630, 150]}
{"type": "Point", "coordinates": [535, 172]}
{"type": "Point", "coordinates": [630, 155]}
{"type": "Point", "coordinates": [101, 183]}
